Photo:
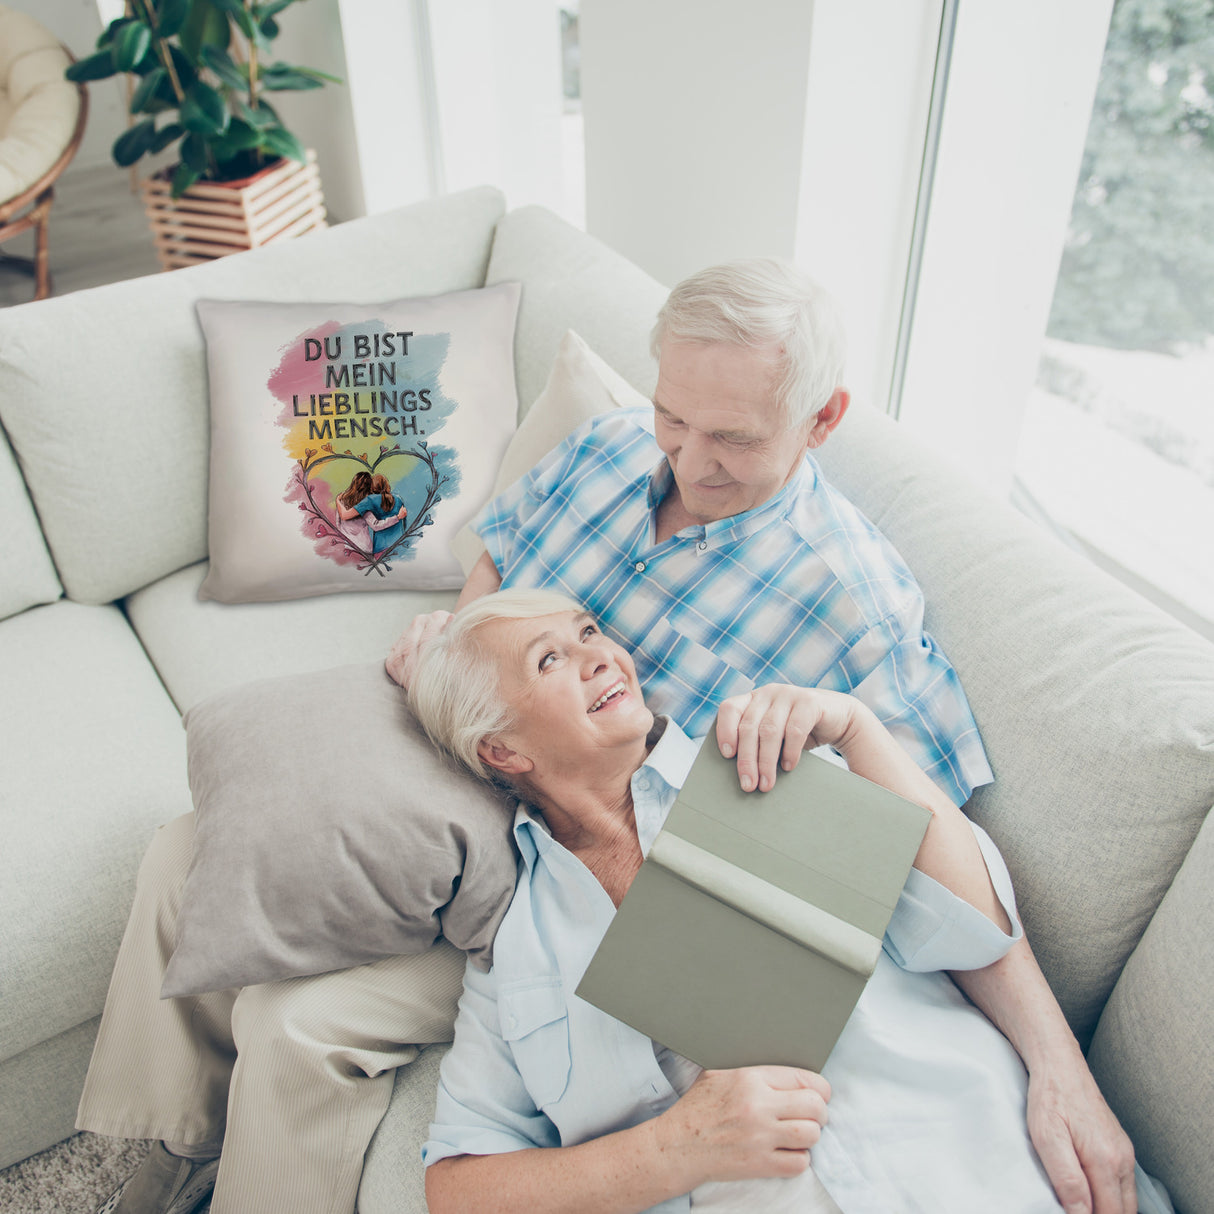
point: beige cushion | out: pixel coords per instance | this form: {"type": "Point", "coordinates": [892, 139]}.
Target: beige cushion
{"type": "Point", "coordinates": [38, 109]}
{"type": "Point", "coordinates": [1153, 1053]}
{"type": "Point", "coordinates": [103, 393]}
{"type": "Point", "coordinates": [1096, 709]}
{"type": "Point", "coordinates": [571, 281]}
{"type": "Point", "coordinates": [580, 386]}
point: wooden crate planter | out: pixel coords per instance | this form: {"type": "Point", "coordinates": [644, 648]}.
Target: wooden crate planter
{"type": "Point", "coordinates": [215, 218]}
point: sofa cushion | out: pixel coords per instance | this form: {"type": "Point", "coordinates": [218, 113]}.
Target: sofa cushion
{"type": "Point", "coordinates": [200, 648]}
{"type": "Point", "coordinates": [94, 760]}
{"type": "Point", "coordinates": [103, 392]}
{"type": "Point", "coordinates": [1152, 1054]}
{"type": "Point", "coordinates": [29, 574]}
{"type": "Point", "coordinates": [572, 281]}
{"type": "Point", "coordinates": [329, 832]}
{"type": "Point", "coordinates": [1096, 709]}
{"type": "Point", "coordinates": [406, 405]}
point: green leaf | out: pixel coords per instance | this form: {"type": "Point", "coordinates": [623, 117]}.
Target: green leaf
{"type": "Point", "coordinates": [241, 137]}
{"type": "Point", "coordinates": [132, 144]}
{"type": "Point", "coordinates": [144, 97]}
{"type": "Point", "coordinates": [107, 36]}
{"type": "Point", "coordinates": [166, 135]}
{"type": "Point", "coordinates": [271, 9]}
{"type": "Point", "coordinates": [279, 77]}
{"type": "Point", "coordinates": [261, 118]}
{"type": "Point", "coordinates": [203, 111]}
{"type": "Point", "coordinates": [183, 178]}
{"type": "Point", "coordinates": [281, 142]}
{"type": "Point", "coordinates": [130, 45]}
{"type": "Point", "coordinates": [225, 67]}
{"type": "Point", "coordinates": [194, 153]}
{"type": "Point", "coordinates": [95, 67]}
{"type": "Point", "coordinates": [171, 16]}
{"type": "Point", "coordinates": [268, 29]}
{"type": "Point", "coordinates": [187, 73]}
{"type": "Point", "coordinates": [205, 26]}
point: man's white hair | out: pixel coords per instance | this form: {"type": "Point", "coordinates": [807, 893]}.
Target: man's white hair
{"type": "Point", "coordinates": [455, 692]}
{"type": "Point", "coordinates": [763, 303]}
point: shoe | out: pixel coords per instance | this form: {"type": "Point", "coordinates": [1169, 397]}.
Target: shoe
{"type": "Point", "coordinates": [164, 1184]}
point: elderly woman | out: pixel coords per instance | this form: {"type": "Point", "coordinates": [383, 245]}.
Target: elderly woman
{"type": "Point", "coordinates": [547, 1103]}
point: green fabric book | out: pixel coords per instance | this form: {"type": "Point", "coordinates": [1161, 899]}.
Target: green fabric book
{"type": "Point", "coordinates": [755, 921]}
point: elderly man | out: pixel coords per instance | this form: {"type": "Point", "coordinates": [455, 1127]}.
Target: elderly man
{"type": "Point", "coordinates": [704, 538]}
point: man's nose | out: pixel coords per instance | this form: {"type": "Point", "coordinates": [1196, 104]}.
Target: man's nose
{"type": "Point", "coordinates": [697, 457]}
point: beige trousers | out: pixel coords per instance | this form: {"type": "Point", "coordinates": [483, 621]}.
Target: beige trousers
{"type": "Point", "coordinates": [293, 1076]}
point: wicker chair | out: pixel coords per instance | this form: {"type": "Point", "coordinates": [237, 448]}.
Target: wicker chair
{"type": "Point", "coordinates": [42, 118]}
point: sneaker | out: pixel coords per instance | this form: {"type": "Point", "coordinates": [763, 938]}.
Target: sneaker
{"type": "Point", "coordinates": [164, 1184]}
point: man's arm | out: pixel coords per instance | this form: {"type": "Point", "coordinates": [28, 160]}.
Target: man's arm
{"type": "Point", "coordinates": [484, 579]}
{"type": "Point", "coordinates": [1087, 1155]}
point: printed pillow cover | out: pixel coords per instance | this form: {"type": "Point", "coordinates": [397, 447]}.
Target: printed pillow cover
{"type": "Point", "coordinates": [351, 442]}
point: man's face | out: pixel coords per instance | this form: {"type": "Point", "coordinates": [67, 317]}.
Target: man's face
{"type": "Point", "coordinates": [716, 420]}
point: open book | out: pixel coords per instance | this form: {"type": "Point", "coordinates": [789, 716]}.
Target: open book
{"type": "Point", "coordinates": [755, 921]}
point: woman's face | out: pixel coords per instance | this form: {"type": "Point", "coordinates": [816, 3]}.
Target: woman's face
{"type": "Point", "coordinates": [574, 693]}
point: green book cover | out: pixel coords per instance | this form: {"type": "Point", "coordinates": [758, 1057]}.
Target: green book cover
{"type": "Point", "coordinates": [755, 921]}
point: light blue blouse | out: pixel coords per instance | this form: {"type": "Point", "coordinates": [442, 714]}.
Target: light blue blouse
{"type": "Point", "coordinates": [928, 1104]}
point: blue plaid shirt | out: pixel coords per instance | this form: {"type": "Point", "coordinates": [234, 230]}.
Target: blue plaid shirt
{"type": "Point", "coordinates": [802, 589]}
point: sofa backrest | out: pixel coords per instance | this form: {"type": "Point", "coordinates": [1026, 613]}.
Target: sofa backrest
{"type": "Point", "coordinates": [103, 393]}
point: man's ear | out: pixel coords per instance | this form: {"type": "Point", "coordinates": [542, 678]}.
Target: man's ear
{"type": "Point", "coordinates": [829, 416]}
{"type": "Point", "coordinates": [501, 758]}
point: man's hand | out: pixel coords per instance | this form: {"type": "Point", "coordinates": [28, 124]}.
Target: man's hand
{"type": "Point", "coordinates": [1086, 1154]}
{"type": "Point", "coordinates": [770, 727]}
{"type": "Point", "coordinates": [401, 660]}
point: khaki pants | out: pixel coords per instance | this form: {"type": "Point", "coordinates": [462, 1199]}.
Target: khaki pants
{"type": "Point", "coordinates": [293, 1076]}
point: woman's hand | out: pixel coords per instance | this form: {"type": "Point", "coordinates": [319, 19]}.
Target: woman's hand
{"type": "Point", "coordinates": [402, 659]}
{"type": "Point", "coordinates": [751, 1122]}
{"type": "Point", "coordinates": [770, 727]}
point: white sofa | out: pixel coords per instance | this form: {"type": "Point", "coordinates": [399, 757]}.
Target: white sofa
{"type": "Point", "coordinates": [1097, 711]}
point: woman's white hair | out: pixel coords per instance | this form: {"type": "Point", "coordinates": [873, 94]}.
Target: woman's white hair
{"type": "Point", "coordinates": [763, 303]}
{"type": "Point", "coordinates": [454, 691]}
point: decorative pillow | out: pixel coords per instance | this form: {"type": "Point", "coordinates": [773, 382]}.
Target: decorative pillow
{"type": "Point", "coordinates": [329, 832]}
{"type": "Point", "coordinates": [580, 386]}
{"type": "Point", "coordinates": [317, 408]}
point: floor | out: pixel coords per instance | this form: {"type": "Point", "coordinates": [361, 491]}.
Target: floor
{"type": "Point", "coordinates": [98, 234]}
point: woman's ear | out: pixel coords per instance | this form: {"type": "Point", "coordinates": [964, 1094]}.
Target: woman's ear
{"type": "Point", "coordinates": [494, 753]}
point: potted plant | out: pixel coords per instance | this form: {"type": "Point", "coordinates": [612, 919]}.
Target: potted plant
{"type": "Point", "coordinates": [201, 71]}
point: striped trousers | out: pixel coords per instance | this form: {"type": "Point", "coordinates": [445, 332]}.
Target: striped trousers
{"type": "Point", "coordinates": [292, 1076]}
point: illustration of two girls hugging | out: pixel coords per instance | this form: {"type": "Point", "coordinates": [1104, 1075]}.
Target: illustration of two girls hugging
{"type": "Point", "coordinates": [368, 514]}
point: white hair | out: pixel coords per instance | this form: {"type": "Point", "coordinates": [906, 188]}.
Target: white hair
{"type": "Point", "coordinates": [454, 691]}
{"type": "Point", "coordinates": [763, 303]}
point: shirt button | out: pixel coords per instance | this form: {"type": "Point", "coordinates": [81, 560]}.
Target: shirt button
{"type": "Point", "coordinates": [702, 545]}
{"type": "Point", "coordinates": [639, 566]}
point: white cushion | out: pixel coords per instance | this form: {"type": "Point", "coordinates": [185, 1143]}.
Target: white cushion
{"type": "Point", "coordinates": [103, 392]}
{"type": "Point", "coordinates": [200, 648]}
{"type": "Point", "coordinates": [29, 574]}
{"type": "Point", "coordinates": [94, 760]}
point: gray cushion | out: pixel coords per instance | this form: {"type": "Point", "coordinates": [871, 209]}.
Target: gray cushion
{"type": "Point", "coordinates": [1153, 1054]}
{"type": "Point", "coordinates": [29, 574]}
{"type": "Point", "coordinates": [330, 833]}
{"type": "Point", "coordinates": [104, 392]}
{"type": "Point", "coordinates": [94, 761]}
{"type": "Point", "coordinates": [571, 281]}
{"type": "Point", "coordinates": [1095, 708]}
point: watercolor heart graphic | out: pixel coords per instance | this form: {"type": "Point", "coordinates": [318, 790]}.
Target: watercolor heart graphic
{"type": "Point", "coordinates": [374, 537]}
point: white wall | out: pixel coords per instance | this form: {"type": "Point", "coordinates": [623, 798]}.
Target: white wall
{"type": "Point", "coordinates": [694, 127]}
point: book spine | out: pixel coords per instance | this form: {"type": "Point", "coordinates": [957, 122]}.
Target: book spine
{"type": "Point", "coordinates": [802, 922]}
